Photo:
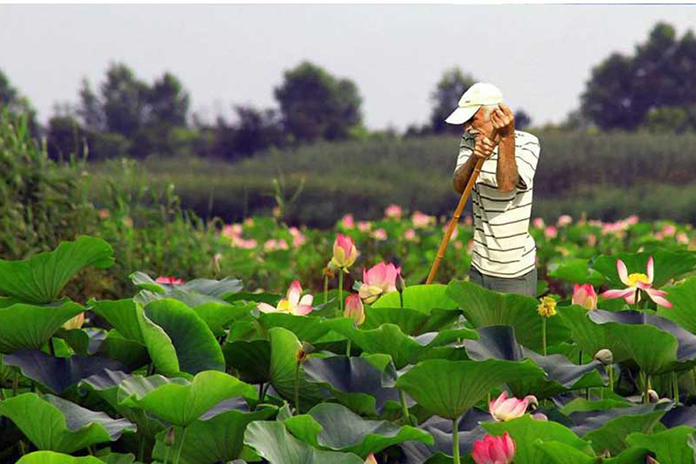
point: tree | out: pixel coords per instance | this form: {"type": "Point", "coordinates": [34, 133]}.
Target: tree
{"type": "Point", "coordinates": [522, 120]}
{"type": "Point", "coordinates": [16, 104]}
{"type": "Point", "coordinates": [167, 102]}
{"type": "Point", "coordinates": [316, 105]}
{"type": "Point", "coordinates": [445, 98]}
{"type": "Point", "coordinates": [623, 90]}
{"type": "Point", "coordinates": [123, 100]}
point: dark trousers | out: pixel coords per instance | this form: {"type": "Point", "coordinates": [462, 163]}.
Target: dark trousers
{"type": "Point", "coordinates": [524, 285]}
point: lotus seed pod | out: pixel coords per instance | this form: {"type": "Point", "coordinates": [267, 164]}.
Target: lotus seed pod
{"type": "Point", "coordinates": [604, 356]}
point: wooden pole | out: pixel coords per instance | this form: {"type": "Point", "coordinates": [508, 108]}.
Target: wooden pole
{"type": "Point", "coordinates": [455, 220]}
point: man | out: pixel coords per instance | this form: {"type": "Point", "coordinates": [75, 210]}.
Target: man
{"type": "Point", "coordinates": [504, 254]}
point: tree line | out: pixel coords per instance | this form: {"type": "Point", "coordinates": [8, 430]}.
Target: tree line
{"type": "Point", "coordinates": [653, 89]}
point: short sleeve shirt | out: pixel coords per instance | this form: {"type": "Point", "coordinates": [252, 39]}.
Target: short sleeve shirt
{"type": "Point", "coordinates": [503, 246]}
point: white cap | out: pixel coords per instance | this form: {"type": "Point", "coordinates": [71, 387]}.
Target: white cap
{"type": "Point", "coordinates": [479, 94]}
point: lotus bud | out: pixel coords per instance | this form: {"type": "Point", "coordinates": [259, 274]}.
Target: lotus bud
{"type": "Point", "coordinates": [504, 409]}
{"type": "Point", "coordinates": [170, 437]}
{"type": "Point", "coordinates": [653, 397]}
{"type": "Point", "coordinates": [400, 283]}
{"type": "Point", "coordinates": [75, 323]}
{"type": "Point", "coordinates": [547, 307]}
{"type": "Point", "coordinates": [606, 357]}
{"type": "Point", "coordinates": [494, 450]}
{"type": "Point", "coordinates": [585, 296]}
{"type": "Point", "coordinates": [606, 454]}
{"type": "Point", "coordinates": [355, 309]}
{"type": "Point", "coordinates": [650, 460]}
{"type": "Point", "coordinates": [371, 459]}
{"type": "Point", "coordinates": [540, 416]}
{"type": "Point", "coordinates": [344, 252]}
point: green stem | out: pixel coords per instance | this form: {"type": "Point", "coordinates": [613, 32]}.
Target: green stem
{"type": "Point", "coordinates": [543, 333]}
{"type": "Point", "coordinates": [297, 389]}
{"type": "Point", "coordinates": [675, 385]}
{"type": "Point", "coordinates": [455, 441]}
{"type": "Point", "coordinates": [401, 299]}
{"type": "Point", "coordinates": [340, 289]}
{"type": "Point", "coordinates": [326, 289]}
{"type": "Point", "coordinates": [580, 358]}
{"type": "Point", "coordinates": [646, 387]}
{"type": "Point", "coordinates": [22, 447]}
{"type": "Point", "coordinates": [611, 377]}
{"type": "Point", "coordinates": [181, 446]}
{"type": "Point", "coordinates": [348, 349]}
{"type": "Point", "coordinates": [15, 384]}
{"type": "Point", "coordinates": [404, 408]}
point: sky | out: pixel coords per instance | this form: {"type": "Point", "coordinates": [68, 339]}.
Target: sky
{"type": "Point", "coordinates": [540, 56]}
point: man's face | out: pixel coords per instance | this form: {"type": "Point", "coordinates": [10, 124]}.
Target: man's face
{"type": "Point", "coordinates": [478, 124]}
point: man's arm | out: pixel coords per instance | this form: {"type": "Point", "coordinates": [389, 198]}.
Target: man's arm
{"type": "Point", "coordinates": [483, 148]}
{"type": "Point", "coordinates": [506, 173]}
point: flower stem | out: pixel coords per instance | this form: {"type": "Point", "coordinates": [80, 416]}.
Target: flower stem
{"type": "Point", "coordinates": [611, 377]}
{"type": "Point", "coordinates": [326, 289]}
{"type": "Point", "coordinates": [181, 446]}
{"type": "Point", "coordinates": [297, 389]}
{"type": "Point", "coordinates": [348, 349]}
{"type": "Point", "coordinates": [455, 441]}
{"type": "Point", "coordinates": [340, 289]}
{"type": "Point", "coordinates": [675, 382]}
{"type": "Point", "coordinates": [404, 408]}
{"type": "Point", "coordinates": [401, 299]}
{"type": "Point", "coordinates": [543, 333]}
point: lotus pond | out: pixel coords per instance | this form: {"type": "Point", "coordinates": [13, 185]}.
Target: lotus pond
{"type": "Point", "coordinates": [600, 369]}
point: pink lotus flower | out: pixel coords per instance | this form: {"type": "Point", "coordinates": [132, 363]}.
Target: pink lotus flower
{"type": "Point", "coordinates": [585, 296]}
{"type": "Point", "coordinates": [564, 220]}
{"type": "Point", "coordinates": [455, 231]}
{"type": "Point", "coordinates": [633, 219]}
{"type": "Point", "coordinates": [504, 409]}
{"type": "Point", "coordinates": [378, 280]}
{"type": "Point", "coordinates": [635, 282]}
{"type": "Point", "coordinates": [421, 220]}
{"type": "Point", "coordinates": [592, 240]}
{"type": "Point", "coordinates": [494, 450]}
{"type": "Point", "coordinates": [292, 304]}
{"type": "Point", "coordinates": [364, 226]}
{"type": "Point", "coordinates": [393, 211]}
{"type": "Point", "coordinates": [273, 245]}
{"type": "Point", "coordinates": [468, 220]}
{"type": "Point", "coordinates": [104, 213]}
{"type": "Point", "coordinates": [347, 221]}
{"type": "Point", "coordinates": [410, 235]}
{"type": "Point", "coordinates": [344, 252]}
{"type": "Point", "coordinates": [379, 234]}
{"type": "Point", "coordinates": [171, 280]}
{"type": "Point", "coordinates": [298, 238]}
{"type": "Point", "coordinates": [355, 309]}
{"type": "Point", "coordinates": [550, 232]}
{"type": "Point", "coordinates": [538, 223]}
{"type": "Point", "coordinates": [669, 230]}
{"type": "Point", "coordinates": [682, 238]}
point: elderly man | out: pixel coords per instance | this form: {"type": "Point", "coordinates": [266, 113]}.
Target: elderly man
{"type": "Point", "coordinates": [504, 254]}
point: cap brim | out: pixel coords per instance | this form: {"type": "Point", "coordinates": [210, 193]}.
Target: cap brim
{"type": "Point", "coordinates": [462, 115]}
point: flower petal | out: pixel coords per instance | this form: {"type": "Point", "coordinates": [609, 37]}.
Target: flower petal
{"type": "Point", "coordinates": [623, 272]}
{"type": "Point", "coordinates": [651, 270]}
{"type": "Point", "coordinates": [302, 310]}
{"type": "Point", "coordinates": [266, 308]}
{"type": "Point", "coordinates": [617, 293]}
{"type": "Point", "coordinates": [653, 294]}
{"type": "Point", "coordinates": [294, 292]}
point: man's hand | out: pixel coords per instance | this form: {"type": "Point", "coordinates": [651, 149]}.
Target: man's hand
{"type": "Point", "coordinates": [503, 120]}
{"type": "Point", "coordinates": [483, 148]}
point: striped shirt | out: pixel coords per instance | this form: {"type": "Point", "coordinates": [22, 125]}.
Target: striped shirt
{"type": "Point", "coordinates": [503, 246]}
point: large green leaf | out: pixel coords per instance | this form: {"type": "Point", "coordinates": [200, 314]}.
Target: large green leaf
{"type": "Point", "coordinates": [272, 441]}
{"type": "Point", "coordinates": [389, 339]}
{"type": "Point", "coordinates": [422, 298]}
{"type": "Point", "coordinates": [176, 338]}
{"type": "Point", "coordinates": [670, 446]}
{"type": "Point", "coordinates": [450, 388]}
{"type": "Point", "coordinates": [178, 400]}
{"type": "Point", "coordinates": [251, 359]}
{"type": "Point", "coordinates": [284, 349]}
{"type": "Point", "coordinates": [560, 453]}
{"type": "Point", "coordinates": [411, 321]}
{"type": "Point", "coordinates": [50, 457]}
{"type": "Point", "coordinates": [590, 336]}
{"type": "Point", "coordinates": [526, 432]}
{"type": "Point", "coordinates": [612, 434]}
{"type": "Point", "coordinates": [683, 299]}
{"type": "Point", "coordinates": [196, 348]}
{"type": "Point", "coordinates": [52, 423]}
{"type": "Point", "coordinates": [215, 439]}
{"type": "Point", "coordinates": [668, 265]}
{"type": "Point", "coordinates": [357, 383]}
{"type": "Point", "coordinates": [29, 326]}
{"type": "Point", "coordinates": [642, 338]}
{"type": "Point", "coordinates": [335, 427]}
{"type": "Point", "coordinates": [40, 278]}
{"type": "Point", "coordinates": [58, 374]}
{"type": "Point", "coordinates": [498, 342]}
{"type": "Point", "coordinates": [193, 293]}
{"type": "Point", "coordinates": [577, 271]}
{"type": "Point", "coordinates": [305, 328]}
{"type": "Point", "coordinates": [483, 308]}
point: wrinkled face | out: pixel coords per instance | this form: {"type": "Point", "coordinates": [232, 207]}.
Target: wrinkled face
{"type": "Point", "coordinates": [478, 123]}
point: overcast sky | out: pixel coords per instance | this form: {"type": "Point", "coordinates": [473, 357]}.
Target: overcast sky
{"type": "Point", "coordinates": [539, 55]}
